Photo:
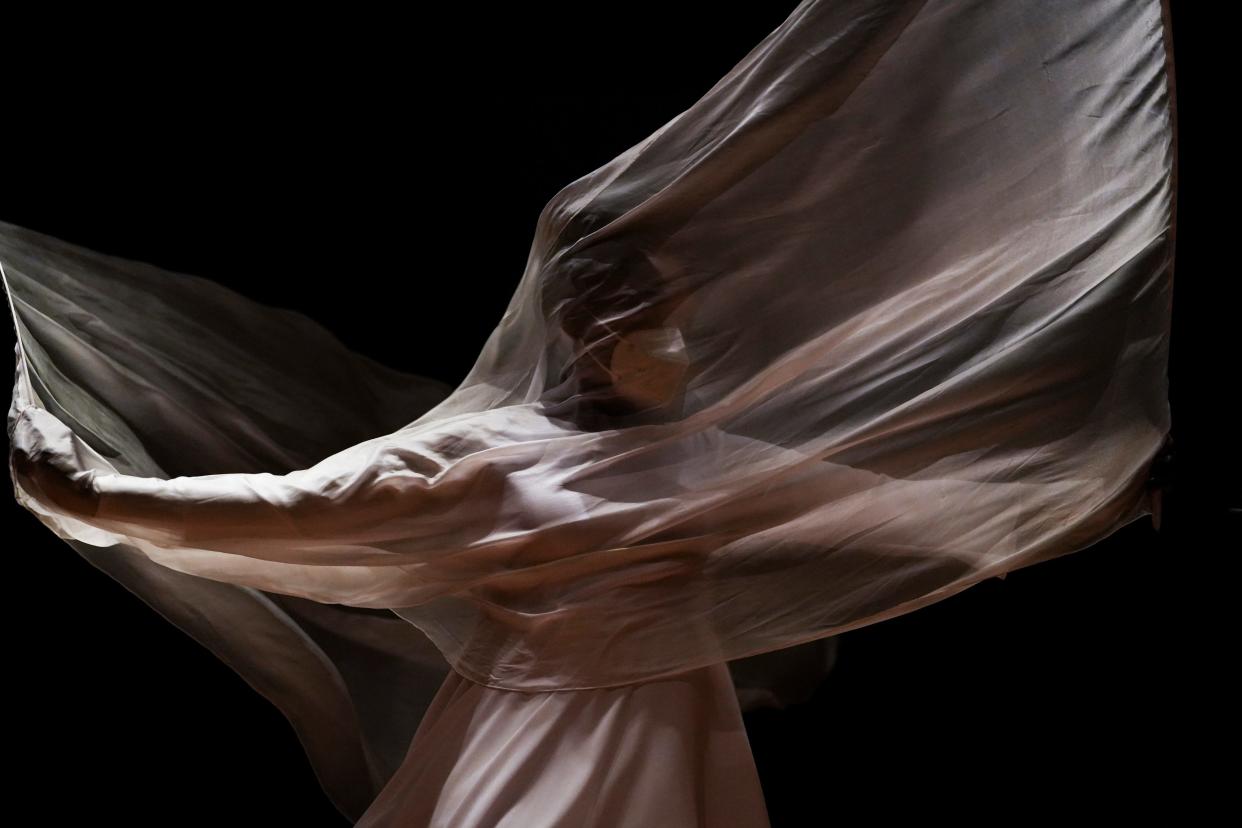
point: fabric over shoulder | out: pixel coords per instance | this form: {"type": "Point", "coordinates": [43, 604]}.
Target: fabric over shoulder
{"type": "Point", "coordinates": [881, 315]}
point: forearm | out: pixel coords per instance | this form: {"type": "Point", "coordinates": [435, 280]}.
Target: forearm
{"type": "Point", "coordinates": [354, 496]}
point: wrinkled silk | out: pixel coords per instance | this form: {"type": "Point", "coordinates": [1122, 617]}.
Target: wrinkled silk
{"type": "Point", "coordinates": [883, 314]}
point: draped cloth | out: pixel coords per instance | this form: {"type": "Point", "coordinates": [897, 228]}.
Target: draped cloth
{"type": "Point", "coordinates": [671, 751]}
{"type": "Point", "coordinates": [883, 314]}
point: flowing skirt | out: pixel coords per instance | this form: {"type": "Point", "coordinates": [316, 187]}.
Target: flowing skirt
{"type": "Point", "coordinates": [671, 753]}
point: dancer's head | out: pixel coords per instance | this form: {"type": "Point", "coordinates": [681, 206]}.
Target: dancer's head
{"type": "Point", "coordinates": [621, 353]}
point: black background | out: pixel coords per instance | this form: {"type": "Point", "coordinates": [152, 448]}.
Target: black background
{"type": "Point", "coordinates": [383, 174]}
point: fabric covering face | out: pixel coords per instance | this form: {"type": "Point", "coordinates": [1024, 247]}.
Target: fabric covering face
{"type": "Point", "coordinates": [883, 314]}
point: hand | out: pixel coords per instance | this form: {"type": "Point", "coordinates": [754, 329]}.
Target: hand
{"type": "Point", "coordinates": [76, 497]}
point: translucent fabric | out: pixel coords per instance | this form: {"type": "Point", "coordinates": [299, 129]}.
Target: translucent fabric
{"type": "Point", "coordinates": [883, 314]}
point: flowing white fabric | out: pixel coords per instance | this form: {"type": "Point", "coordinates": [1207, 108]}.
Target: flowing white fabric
{"type": "Point", "coordinates": [881, 315]}
{"type": "Point", "coordinates": [673, 752]}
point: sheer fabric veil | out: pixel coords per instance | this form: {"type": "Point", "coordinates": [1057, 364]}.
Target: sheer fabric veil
{"type": "Point", "coordinates": [883, 314]}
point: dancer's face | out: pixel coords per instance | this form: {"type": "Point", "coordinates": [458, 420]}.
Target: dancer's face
{"type": "Point", "coordinates": [619, 313]}
{"type": "Point", "coordinates": [629, 371]}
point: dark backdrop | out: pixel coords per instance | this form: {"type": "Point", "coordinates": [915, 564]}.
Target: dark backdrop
{"type": "Point", "coordinates": [383, 174]}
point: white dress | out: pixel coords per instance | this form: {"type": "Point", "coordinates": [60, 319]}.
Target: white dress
{"type": "Point", "coordinates": [883, 314]}
{"type": "Point", "coordinates": [667, 752]}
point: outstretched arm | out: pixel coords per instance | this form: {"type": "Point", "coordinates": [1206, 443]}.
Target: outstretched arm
{"type": "Point", "coordinates": [364, 495]}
